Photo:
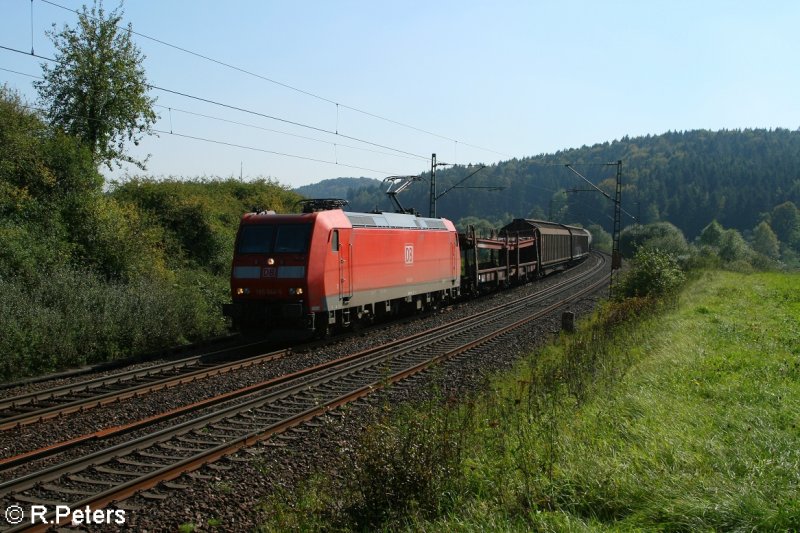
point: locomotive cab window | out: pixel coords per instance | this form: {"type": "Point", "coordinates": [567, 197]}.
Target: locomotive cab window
{"type": "Point", "coordinates": [267, 239]}
{"type": "Point", "coordinates": [292, 238]}
{"type": "Point", "coordinates": [256, 239]}
{"type": "Point", "coordinates": [335, 241]}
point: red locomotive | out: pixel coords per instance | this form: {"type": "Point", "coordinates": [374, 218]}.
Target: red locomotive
{"type": "Point", "coordinates": [328, 268]}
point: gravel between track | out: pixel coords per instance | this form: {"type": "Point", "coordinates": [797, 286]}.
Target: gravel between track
{"type": "Point", "coordinates": [231, 492]}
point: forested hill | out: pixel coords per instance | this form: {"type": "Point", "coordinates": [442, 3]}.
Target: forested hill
{"type": "Point", "coordinates": [336, 188]}
{"type": "Point", "coordinates": [687, 178]}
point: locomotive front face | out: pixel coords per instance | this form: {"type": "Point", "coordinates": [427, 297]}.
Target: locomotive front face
{"type": "Point", "coordinates": [269, 273]}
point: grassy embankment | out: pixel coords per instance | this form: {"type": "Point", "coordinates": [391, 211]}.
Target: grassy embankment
{"type": "Point", "coordinates": [687, 418]}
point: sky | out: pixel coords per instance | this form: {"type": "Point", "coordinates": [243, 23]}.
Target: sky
{"type": "Point", "coordinates": [372, 88]}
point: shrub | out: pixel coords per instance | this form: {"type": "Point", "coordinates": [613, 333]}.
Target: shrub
{"type": "Point", "coordinates": [703, 257]}
{"type": "Point", "coordinates": [733, 248]}
{"type": "Point", "coordinates": [400, 467]}
{"type": "Point", "coordinates": [660, 235]}
{"type": "Point", "coordinates": [653, 273]}
{"type": "Point", "coordinates": [69, 317]}
{"type": "Point", "coordinates": [601, 239]}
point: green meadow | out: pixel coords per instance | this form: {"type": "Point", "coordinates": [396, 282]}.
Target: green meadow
{"type": "Point", "coordinates": [680, 417]}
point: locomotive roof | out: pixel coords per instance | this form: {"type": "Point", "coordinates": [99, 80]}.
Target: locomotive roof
{"type": "Point", "coordinates": [393, 220]}
{"type": "Point", "coordinates": [362, 220]}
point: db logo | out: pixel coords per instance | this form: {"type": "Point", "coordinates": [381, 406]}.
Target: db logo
{"type": "Point", "coordinates": [409, 254]}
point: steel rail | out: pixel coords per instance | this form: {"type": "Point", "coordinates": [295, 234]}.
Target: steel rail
{"type": "Point", "coordinates": [189, 370]}
{"type": "Point", "coordinates": [118, 364]}
{"type": "Point", "coordinates": [60, 390]}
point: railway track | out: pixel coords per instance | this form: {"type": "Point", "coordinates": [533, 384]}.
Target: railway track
{"type": "Point", "coordinates": [113, 474]}
{"type": "Point", "coordinates": [58, 401]}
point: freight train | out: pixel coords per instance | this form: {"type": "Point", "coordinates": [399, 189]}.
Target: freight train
{"type": "Point", "coordinates": [327, 269]}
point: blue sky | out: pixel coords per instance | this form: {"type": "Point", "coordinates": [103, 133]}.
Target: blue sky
{"type": "Point", "coordinates": [485, 81]}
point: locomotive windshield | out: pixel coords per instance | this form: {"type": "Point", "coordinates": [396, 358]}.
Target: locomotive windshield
{"type": "Point", "coordinates": [268, 238]}
{"type": "Point", "coordinates": [256, 239]}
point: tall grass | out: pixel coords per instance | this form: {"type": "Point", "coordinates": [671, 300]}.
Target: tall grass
{"type": "Point", "coordinates": [687, 420]}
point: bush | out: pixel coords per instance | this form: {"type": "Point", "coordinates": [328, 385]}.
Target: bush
{"type": "Point", "coordinates": [402, 467]}
{"type": "Point", "coordinates": [703, 257]}
{"type": "Point", "coordinates": [601, 239]}
{"type": "Point", "coordinates": [653, 273]}
{"type": "Point", "coordinates": [30, 247]}
{"type": "Point", "coordinates": [733, 248]}
{"type": "Point", "coordinates": [68, 317]}
{"type": "Point", "coordinates": [660, 235]}
{"type": "Point", "coordinates": [404, 464]}
{"type": "Point", "coordinates": [198, 218]}
{"type": "Point", "coordinates": [112, 238]}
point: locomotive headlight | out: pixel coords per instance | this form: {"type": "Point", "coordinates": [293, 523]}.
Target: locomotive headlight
{"type": "Point", "coordinates": [270, 261]}
{"type": "Point", "coordinates": [291, 291]}
{"type": "Point", "coordinates": [239, 291]}
{"type": "Point", "coordinates": [299, 290]}
{"type": "Point", "coordinates": [296, 291]}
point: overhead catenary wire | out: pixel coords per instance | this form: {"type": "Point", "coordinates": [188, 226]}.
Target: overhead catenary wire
{"type": "Point", "coordinates": [296, 89]}
{"type": "Point", "coordinates": [238, 123]}
{"type": "Point", "coordinates": [236, 145]}
{"type": "Point", "coordinates": [20, 73]}
{"type": "Point", "coordinates": [264, 150]}
{"type": "Point", "coordinates": [335, 145]}
{"type": "Point", "coordinates": [247, 111]}
{"type": "Point", "coordinates": [281, 132]}
{"type": "Point", "coordinates": [287, 86]}
{"type": "Point", "coordinates": [244, 110]}
{"type": "Point", "coordinates": [286, 121]}
{"type": "Point", "coordinates": [31, 26]}
{"type": "Point", "coordinates": [290, 87]}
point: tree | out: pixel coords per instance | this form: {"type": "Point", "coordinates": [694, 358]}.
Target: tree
{"type": "Point", "coordinates": [651, 214]}
{"type": "Point", "coordinates": [558, 206]}
{"type": "Point", "coordinates": [733, 247]}
{"type": "Point", "coordinates": [660, 235]}
{"type": "Point", "coordinates": [765, 241]}
{"type": "Point", "coordinates": [38, 163]}
{"type": "Point", "coordinates": [97, 90]}
{"type": "Point", "coordinates": [711, 234]}
{"type": "Point", "coordinates": [482, 226]}
{"type": "Point", "coordinates": [601, 239]}
{"type": "Point", "coordinates": [785, 220]}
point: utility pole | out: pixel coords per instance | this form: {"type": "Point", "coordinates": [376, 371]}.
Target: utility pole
{"type": "Point", "coordinates": [432, 209]}
{"type": "Point", "coordinates": [435, 197]}
{"type": "Point", "coordinates": [616, 257]}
